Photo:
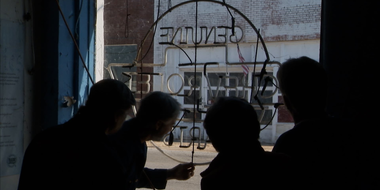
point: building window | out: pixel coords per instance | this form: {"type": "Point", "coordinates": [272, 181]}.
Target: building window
{"type": "Point", "coordinates": [208, 88]}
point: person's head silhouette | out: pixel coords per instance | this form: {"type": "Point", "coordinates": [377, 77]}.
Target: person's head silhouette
{"type": "Point", "coordinates": [303, 84]}
{"type": "Point", "coordinates": [157, 114]}
{"type": "Point", "coordinates": [108, 104]}
{"type": "Point", "coordinates": [229, 115]}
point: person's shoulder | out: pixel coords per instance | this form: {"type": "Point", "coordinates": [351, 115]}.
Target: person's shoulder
{"type": "Point", "coordinates": [286, 140]}
{"type": "Point", "coordinates": [49, 134]}
{"type": "Point", "coordinates": [289, 134]}
{"type": "Point", "coordinates": [127, 135]}
{"type": "Point", "coordinates": [272, 161]}
{"type": "Point", "coordinates": [276, 156]}
{"type": "Point", "coordinates": [46, 141]}
{"type": "Point", "coordinates": [124, 131]}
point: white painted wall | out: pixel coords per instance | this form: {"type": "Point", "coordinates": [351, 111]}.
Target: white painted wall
{"type": "Point", "coordinates": [279, 51]}
{"type": "Point", "coordinates": [99, 41]}
{"type": "Point", "coordinates": [11, 15]}
{"type": "Point", "coordinates": [290, 29]}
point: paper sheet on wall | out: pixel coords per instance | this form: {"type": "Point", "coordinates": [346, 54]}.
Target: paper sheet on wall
{"type": "Point", "coordinates": [11, 96]}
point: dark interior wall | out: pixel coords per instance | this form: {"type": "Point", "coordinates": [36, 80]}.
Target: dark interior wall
{"type": "Point", "coordinates": [45, 60]}
{"type": "Point", "coordinates": [349, 49]}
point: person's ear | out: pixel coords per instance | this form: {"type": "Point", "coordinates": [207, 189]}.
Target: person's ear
{"type": "Point", "coordinates": [116, 118]}
{"type": "Point", "coordinates": [159, 124]}
{"type": "Point", "coordinates": [288, 104]}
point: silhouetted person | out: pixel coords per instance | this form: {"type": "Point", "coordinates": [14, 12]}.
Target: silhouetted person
{"type": "Point", "coordinates": [155, 117]}
{"type": "Point", "coordinates": [77, 154]}
{"type": "Point", "coordinates": [233, 128]}
{"type": "Point", "coordinates": [318, 144]}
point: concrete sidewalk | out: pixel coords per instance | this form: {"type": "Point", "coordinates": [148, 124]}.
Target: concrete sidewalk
{"type": "Point", "coordinates": [208, 148]}
{"type": "Point", "coordinates": [156, 159]}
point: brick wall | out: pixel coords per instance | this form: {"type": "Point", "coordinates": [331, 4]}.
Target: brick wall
{"type": "Point", "coordinates": [284, 20]}
{"type": "Point", "coordinates": [278, 20]}
{"type": "Point", "coordinates": [127, 22]}
{"type": "Point", "coordinates": [295, 15]}
{"type": "Point", "coordinates": [283, 113]}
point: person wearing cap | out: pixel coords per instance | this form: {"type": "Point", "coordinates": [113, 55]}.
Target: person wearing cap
{"type": "Point", "coordinates": [78, 154]}
{"type": "Point", "coordinates": [156, 116]}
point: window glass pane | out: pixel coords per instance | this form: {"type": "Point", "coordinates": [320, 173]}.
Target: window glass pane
{"type": "Point", "coordinates": [257, 78]}
{"type": "Point", "coordinates": [214, 79]}
{"type": "Point", "coordinates": [190, 99]}
{"type": "Point", "coordinates": [266, 117]}
{"type": "Point", "coordinates": [268, 79]}
{"type": "Point", "coordinates": [189, 78]}
{"type": "Point", "coordinates": [240, 94]}
{"type": "Point", "coordinates": [221, 93]}
{"type": "Point", "coordinates": [191, 115]}
{"type": "Point", "coordinates": [239, 76]}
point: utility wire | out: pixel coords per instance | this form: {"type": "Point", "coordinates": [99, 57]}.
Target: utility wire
{"type": "Point", "coordinates": [75, 42]}
{"type": "Point", "coordinates": [195, 77]}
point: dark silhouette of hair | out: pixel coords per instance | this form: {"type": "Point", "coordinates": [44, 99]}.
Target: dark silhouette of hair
{"type": "Point", "coordinates": [110, 94]}
{"type": "Point", "coordinates": [157, 106]}
{"type": "Point", "coordinates": [107, 98]}
{"type": "Point", "coordinates": [304, 82]}
{"type": "Point", "coordinates": [231, 118]}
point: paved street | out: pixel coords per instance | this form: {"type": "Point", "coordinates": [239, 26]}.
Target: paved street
{"type": "Point", "coordinates": [158, 160]}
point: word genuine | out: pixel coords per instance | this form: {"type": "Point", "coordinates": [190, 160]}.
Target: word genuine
{"type": "Point", "coordinates": [203, 35]}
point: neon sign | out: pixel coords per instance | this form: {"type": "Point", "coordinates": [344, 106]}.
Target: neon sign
{"type": "Point", "coordinates": [186, 35]}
